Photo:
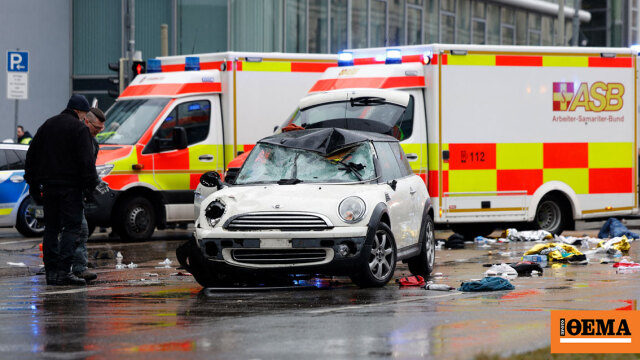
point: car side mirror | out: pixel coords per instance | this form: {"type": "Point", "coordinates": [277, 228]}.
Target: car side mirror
{"type": "Point", "coordinates": [179, 135]}
{"type": "Point", "coordinates": [211, 179]}
{"type": "Point", "coordinates": [392, 184]}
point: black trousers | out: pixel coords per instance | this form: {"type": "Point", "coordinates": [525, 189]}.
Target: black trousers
{"type": "Point", "coordinates": [63, 214]}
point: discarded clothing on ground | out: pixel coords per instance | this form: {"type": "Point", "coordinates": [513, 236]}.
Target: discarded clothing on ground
{"type": "Point", "coordinates": [613, 228]}
{"type": "Point", "coordinates": [525, 268]}
{"type": "Point", "coordinates": [527, 235]}
{"type": "Point", "coordinates": [503, 270]}
{"type": "Point", "coordinates": [415, 280]}
{"type": "Point", "coordinates": [487, 284]}
{"type": "Point", "coordinates": [617, 243]}
{"type": "Point", "coordinates": [558, 252]}
{"type": "Point", "coordinates": [455, 241]}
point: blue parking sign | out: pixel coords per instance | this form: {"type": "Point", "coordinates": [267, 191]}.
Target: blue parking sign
{"type": "Point", "coordinates": [17, 61]}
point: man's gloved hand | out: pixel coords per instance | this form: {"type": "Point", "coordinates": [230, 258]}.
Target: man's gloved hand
{"type": "Point", "coordinates": [36, 194]}
{"type": "Point", "coordinates": [102, 188]}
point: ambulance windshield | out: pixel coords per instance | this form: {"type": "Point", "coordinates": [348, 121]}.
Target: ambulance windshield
{"type": "Point", "coordinates": [365, 113]}
{"type": "Point", "coordinates": [127, 120]}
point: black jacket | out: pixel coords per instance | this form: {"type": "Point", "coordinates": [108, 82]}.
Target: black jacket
{"type": "Point", "coordinates": [62, 154]}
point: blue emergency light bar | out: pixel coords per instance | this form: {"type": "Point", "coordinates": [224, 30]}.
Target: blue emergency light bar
{"type": "Point", "coordinates": [394, 56]}
{"type": "Point", "coordinates": [345, 58]}
{"type": "Point", "coordinates": [192, 63]}
{"type": "Point", "coordinates": [154, 66]}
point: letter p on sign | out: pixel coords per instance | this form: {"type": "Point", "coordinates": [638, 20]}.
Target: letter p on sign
{"type": "Point", "coordinates": [17, 61]}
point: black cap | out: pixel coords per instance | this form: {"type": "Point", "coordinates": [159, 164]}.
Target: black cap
{"type": "Point", "coordinates": [78, 102]}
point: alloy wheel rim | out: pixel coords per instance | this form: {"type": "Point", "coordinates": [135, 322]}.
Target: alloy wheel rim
{"type": "Point", "coordinates": [430, 245]}
{"type": "Point", "coordinates": [382, 257]}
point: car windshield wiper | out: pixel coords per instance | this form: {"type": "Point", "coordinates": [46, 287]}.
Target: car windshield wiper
{"type": "Point", "coordinates": [352, 168]}
{"type": "Point", "coordinates": [291, 181]}
{"type": "Point", "coordinates": [366, 100]}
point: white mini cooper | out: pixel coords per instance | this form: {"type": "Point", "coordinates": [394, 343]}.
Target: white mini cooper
{"type": "Point", "coordinates": [320, 201]}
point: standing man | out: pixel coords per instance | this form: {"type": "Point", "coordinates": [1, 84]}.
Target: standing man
{"type": "Point", "coordinates": [94, 120]}
{"type": "Point", "coordinates": [58, 169]}
{"type": "Point", "coordinates": [24, 137]}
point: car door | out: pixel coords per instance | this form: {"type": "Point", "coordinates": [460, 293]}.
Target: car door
{"type": "Point", "coordinates": [12, 185]}
{"type": "Point", "coordinates": [417, 189]}
{"type": "Point", "coordinates": [178, 170]}
{"type": "Point", "coordinates": [399, 204]}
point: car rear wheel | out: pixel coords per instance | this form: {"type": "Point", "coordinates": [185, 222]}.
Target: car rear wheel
{"type": "Point", "coordinates": [423, 263]}
{"type": "Point", "coordinates": [380, 262]}
{"type": "Point", "coordinates": [135, 219]}
{"type": "Point", "coordinates": [26, 222]}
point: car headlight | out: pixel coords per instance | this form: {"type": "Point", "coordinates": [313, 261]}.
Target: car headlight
{"type": "Point", "coordinates": [352, 209]}
{"type": "Point", "coordinates": [214, 212]}
{"type": "Point", "coordinates": [104, 170]}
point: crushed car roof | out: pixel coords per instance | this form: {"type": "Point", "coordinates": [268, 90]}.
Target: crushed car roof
{"type": "Point", "coordinates": [324, 141]}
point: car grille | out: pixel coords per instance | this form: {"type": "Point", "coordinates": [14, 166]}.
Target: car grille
{"type": "Point", "coordinates": [278, 221]}
{"type": "Point", "coordinates": [278, 256]}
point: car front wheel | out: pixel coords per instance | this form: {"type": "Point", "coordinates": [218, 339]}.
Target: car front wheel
{"type": "Point", "coordinates": [26, 222]}
{"type": "Point", "coordinates": [423, 263]}
{"type": "Point", "coordinates": [380, 262]}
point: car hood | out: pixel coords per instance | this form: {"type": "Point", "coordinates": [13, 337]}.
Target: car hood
{"type": "Point", "coordinates": [310, 198]}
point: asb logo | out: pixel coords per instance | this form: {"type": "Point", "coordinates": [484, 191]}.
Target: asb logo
{"type": "Point", "coordinates": [595, 331]}
{"type": "Point", "coordinates": [597, 97]}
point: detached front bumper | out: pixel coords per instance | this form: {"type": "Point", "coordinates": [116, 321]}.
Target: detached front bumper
{"type": "Point", "coordinates": [333, 252]}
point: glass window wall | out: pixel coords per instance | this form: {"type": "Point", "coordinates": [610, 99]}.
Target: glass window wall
{"type": "Point", "coordinates": [318, 26]}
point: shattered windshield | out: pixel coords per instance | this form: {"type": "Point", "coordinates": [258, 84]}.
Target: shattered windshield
{"type": "Point", "coordinates": [128, 120]}
{"type": "Point", "coordinates": [364, 113]}
{"type": "Point", "coordinates": [269, 163]}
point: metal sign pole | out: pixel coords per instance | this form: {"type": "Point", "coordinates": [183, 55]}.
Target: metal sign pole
{"type": "Point", "coordinates": [15, 126]}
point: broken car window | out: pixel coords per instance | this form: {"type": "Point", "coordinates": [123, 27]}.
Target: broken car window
{"type": "Point", "coordinates": [269, 163]}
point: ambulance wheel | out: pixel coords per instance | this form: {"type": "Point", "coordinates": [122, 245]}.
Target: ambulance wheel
{"type": "Point", "coordinates": [26, 222]}
{"type": "Point", "coordinates": [423, 263]}
{"type": "Point", "coordinates": [379, 260]}
{"type": "Point", "coordinates": [136, 219]}
{"type": "Point", "coordinates": [554, 215]}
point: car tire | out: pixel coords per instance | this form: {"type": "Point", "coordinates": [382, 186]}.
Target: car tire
{"type": "Point", "coordinates": [191, 259]}
{"type": "Point", "coordinates": [423, 263]}
{"type": "Point", "coordinates": [135, 219]}
{"type": "Point", "coordinates": [379, 259]}
{"type": "Point", "coordinates": [26, 222]}
{"type": "Point", "coordinates": [553, 215]}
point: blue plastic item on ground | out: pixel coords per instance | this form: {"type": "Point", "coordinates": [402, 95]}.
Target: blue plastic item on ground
{"type": "Point", "coordinates": [538, 259]}
{"type": "Point", "coordinates": [615, 228]}
{"type": "Point", "coordinates": [487, 284]}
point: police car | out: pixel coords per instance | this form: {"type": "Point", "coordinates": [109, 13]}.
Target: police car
{"type": "Point", "coordinates": [16, 208]}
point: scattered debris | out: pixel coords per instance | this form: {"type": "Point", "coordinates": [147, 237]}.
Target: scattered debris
{"type": "Point", "coordinates": [20, 264]}
{"type": "Point", "coordinates": [558, 252]}
{"type": "Point", "coordinates": [132, 266]}
{"type": "Point", "coordinates": [150, 274]}
{"type": "Point", "coordinates": [538, 259]}
{"type": "Point", "coordinates": [527, 268]}
{"type": "Point", "coordinates": [181, 273]}
{"type": "Point", "coordinates": [527, 235]}
{"type": "Point", "coordinates": [414, 280]}
{"type": "Point", "coordinates": [166, 264]}
{"type": "Point", "coordinates": [438, 287]}
{"type": "Point", "coordinates": [487, 284]}
{"type": "Point", "coordinates": [455, 241]}
{"type": "Point", "coordinates": [503, 270]}
{"type": "Point", "coordinates": [613, 228]}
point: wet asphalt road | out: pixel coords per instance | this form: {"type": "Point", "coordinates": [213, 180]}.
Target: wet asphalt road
{"type": "Point", "coordinates": [152, 312]}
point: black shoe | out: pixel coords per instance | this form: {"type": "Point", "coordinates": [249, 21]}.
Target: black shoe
{"type": "Point", "coordinates": [86, 275]}
{"type": "Point", "coordinates": [51, 278]}
{"type": "Point", "coordinates": [65, 278]}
